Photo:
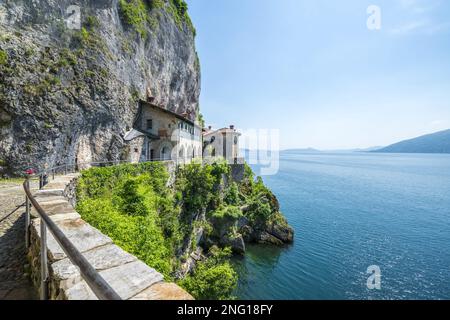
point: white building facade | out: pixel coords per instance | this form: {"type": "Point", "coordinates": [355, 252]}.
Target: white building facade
{"type": "Point", "coordinates": [159, 135]}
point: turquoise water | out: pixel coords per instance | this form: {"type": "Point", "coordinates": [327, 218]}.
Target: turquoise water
{"type": "Point", "coordinates": [351, 211]}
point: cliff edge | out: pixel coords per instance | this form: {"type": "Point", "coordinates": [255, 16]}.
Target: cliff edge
{"type": "Point", "coordinates": [68, 92]}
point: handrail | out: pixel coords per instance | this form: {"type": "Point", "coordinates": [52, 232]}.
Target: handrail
{"type": "Point", "coordinates": [95, 281]}
{"type": "Point", "coordinates": [72, 167]}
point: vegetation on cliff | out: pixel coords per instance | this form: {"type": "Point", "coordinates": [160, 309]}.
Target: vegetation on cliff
{"type": "Point", "coordinates": [72, 93]}
{"type": "Point", "coordinates": [142, 14]}
{"type": "Point", "coordinates": [186, 230]}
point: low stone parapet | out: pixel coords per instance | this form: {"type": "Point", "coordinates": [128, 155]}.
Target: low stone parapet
{"type": "Point", "coordinates": [127, 275]}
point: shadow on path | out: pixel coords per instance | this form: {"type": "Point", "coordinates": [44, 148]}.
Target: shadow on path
{"type": "Point", "coordinates": [15, 283]}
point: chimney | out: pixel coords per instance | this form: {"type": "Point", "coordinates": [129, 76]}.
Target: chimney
{"type": "Point", "coordinates": [232, 127]}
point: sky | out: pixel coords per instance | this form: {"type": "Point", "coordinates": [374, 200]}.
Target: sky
{"type": "Point", "coordinates": [313, 70]}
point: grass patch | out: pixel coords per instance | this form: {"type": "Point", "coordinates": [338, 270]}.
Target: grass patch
{"type": "Point", "coordinates": [134, 13]}
{"type": "Point", "coordinates": [3, 58]}
{"type": "Point", "coordinates": [179, 11]}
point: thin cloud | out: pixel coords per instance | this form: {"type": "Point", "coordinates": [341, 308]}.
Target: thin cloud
{"type": "Point", "coordinates": [438, 123]}
{"type": "Point", "coordinates": [420, 18]}
{"type": "Point", "coordinates": [409, 27]}
{"type": "Point", "coordinates": [420, 27]}
{"type": "Point", "coordinates": [419, 6]}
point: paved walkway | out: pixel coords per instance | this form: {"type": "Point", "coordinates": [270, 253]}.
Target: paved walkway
{"type": "Point", "coordinates": [14, 280]}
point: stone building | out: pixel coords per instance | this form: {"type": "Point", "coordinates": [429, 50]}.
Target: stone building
{"type": "Point", "coordinates": [222, 143]}
{"type": "Point", "coordinates": [160, 134]}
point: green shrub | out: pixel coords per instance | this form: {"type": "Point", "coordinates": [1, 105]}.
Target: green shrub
{"type": "Point", "coordinates": [53, 80]}
{"type": "Point", "coordinates": [232, 195]}
{"type": "Point", "coordinates": [179, 11]}
{"type": "Point", "coordinates": [135, 14]}
{"type": "Point", "coordinates": [156, 4]}
{"type": "Point", "coordinates": [84, 35]}
{"type": "Point", "coordinates": [137, 235]}
{"type": "Point", "coordinates": [131, 200]}
{"type": "Point", "coordinates": [142, 214]}
{"type": "Point", "coordinates": [229, 213]}
{"type": "Point", "coordinates": [89, 74]}
{"type": "Point", "coordinates": [181, 6]}
{"type": "Point", "coordinates": [67, 58]}
{"type": "Point", "coordinates": [92, 22]}
{"type": "Point", "coordinates": [200, 118]}
{"type": "Point", "coordinates": [258, 211]}
{"type": "Point", "coordinates": [213, 279]}
{"type": "Point", "coordinates": [29, 52]}
{"type": "Point", "coordinates": [195, 185]}
{"type": "Point", "coordinates": [128, 203]}
{"type": "Point", "coordinates": [3, 58]}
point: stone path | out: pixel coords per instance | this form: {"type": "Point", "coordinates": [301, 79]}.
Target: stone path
{"type": "Point", "coordinates": [14, 278]}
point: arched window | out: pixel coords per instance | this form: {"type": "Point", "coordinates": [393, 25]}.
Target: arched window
{"type": "Point", "coordinates": [181, 153]}
{"type": "Point", "coordinates": [165, 153]}
{"type": "Point", "coordinates": [190, 153]}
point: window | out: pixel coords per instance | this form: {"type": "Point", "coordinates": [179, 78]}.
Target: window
{"type": "Point", "coordinates": [150, 124]}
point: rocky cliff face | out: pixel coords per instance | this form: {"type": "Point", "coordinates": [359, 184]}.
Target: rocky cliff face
{"type": "Point", "coordinates": [69, 95]}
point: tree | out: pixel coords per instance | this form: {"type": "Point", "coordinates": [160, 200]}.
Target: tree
{"type": "Point", "coordinates": [214, 278]}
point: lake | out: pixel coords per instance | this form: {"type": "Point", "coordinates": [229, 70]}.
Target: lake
{"type": "Point", "coordinates": [351, 211]}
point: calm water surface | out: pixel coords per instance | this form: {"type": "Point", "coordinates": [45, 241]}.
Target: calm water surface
{"type": "Point", "coordinates": [351, 211]}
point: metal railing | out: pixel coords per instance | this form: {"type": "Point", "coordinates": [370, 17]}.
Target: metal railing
{"type": "Point", "coordinates": [94, 280]}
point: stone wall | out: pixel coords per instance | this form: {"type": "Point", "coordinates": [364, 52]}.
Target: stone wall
{"type": "Point", "coordinates": [127, 275]}
{"type": "Point", "coordinates": [70, 192]}
{"type": "Point", "coordinates": [237, 172]}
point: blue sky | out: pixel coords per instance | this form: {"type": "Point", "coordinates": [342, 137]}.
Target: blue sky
{"type": "Point", "coordinates": [313, 70]}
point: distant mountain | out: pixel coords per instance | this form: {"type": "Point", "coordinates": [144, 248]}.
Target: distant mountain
{"type": "Point", "coordinates": [355, 150]}
{"type": "Point", "coordinates": [370, 149]}
{"type": "Point", "coordinates": [438, 142]}
{"type": "Point", "coordinates": [305, 150]}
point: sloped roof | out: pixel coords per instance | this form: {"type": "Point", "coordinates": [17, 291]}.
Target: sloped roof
{"type": "Point", "coordinates": [176, 115]}
{"type": "Point", "coordinates": [133, 134]}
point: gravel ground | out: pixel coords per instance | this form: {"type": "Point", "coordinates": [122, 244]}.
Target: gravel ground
{"type": "Point", "coordinates": [14, 280]}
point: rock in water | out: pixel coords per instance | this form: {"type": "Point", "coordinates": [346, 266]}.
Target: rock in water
{"type": "Point", "coordinates": [283, 232]}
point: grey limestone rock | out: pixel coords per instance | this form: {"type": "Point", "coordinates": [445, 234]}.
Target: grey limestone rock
{"type": "Point", "coordinates": [70, 96]}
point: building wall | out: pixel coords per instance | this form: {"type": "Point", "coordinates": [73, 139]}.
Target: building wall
{"type": "Point", "coordinates": [135, 149]}
{"type": "Point", "coordinates": [181, 144]}
{"type": "Point", "coordinates": [223, 145]}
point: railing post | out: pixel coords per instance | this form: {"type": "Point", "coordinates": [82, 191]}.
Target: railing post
{"type": "Point", "coordinates": [27, 217]}
{"type": "Point", "coordinates": [44, 263]}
